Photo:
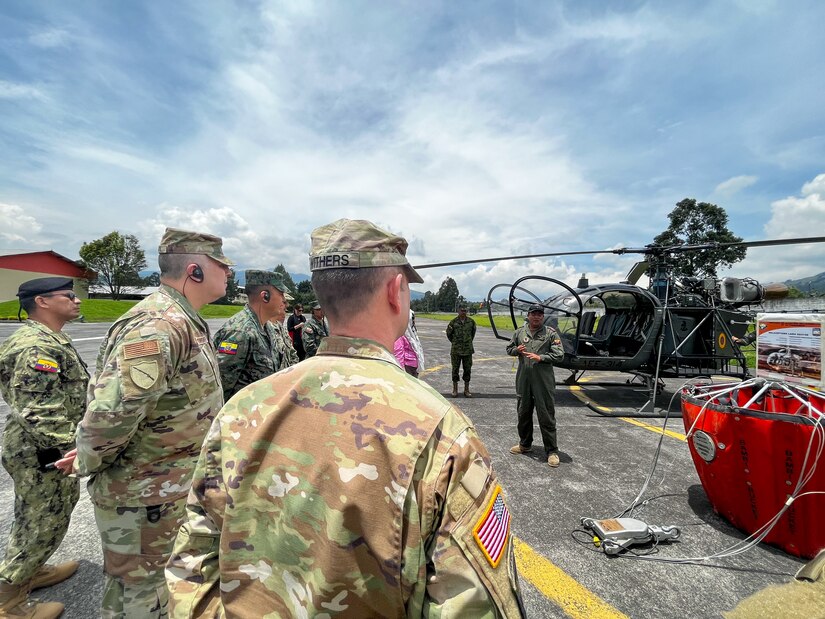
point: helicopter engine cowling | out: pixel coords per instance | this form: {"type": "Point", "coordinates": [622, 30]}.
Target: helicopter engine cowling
{"type": "Point", "coordinates": [735, 290]}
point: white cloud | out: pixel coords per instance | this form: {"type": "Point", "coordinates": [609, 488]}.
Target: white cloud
{"type": "Point", "coordinates": [13, 90]}
{"type": "Point", "coordinates": [734, 185]}
{"type": "Point", "coordinates": [50, 38]}
{"type": "Point", "coordinates": [17, 226]}
{"type": "Point", "coordinates": [800, 216]}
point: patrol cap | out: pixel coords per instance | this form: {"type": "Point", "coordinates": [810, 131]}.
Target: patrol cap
{"type": "Point", "coordinates": [462, 307]}
{"type": "Point", "coordinates": [177, 241]}
{"type": "Point", "coordinates": [44, 285]}
{"type": "Point", "coordinates": [358, 244]}
{"type": "Point", "coordinates": [288, 297]}
{"type": "Point", "coordinates": [535, 308]}
{"type": "Point", "coordinates": [266, 278]}
{"type": "Point", "coordinates": [316, 306]}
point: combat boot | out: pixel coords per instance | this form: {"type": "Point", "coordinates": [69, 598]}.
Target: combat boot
{"type": "Point", "coordinates": [49, 575]}
{"type": "Point", "coordinates": [467, 393]}
{"type": "Point", "coordinates": [455, 389]}
{"type": "Point", "coordinates": [15, 604]}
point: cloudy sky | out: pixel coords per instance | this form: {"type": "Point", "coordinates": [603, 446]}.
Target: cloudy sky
{"type": "Point", "coordinates": [473, 128]}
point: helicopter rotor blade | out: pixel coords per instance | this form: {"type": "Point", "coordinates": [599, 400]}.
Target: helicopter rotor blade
{"type": "Point", "coordinates": [648, 250]}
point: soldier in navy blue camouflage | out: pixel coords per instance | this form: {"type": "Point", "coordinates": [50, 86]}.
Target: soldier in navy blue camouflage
{"type": "Point", "coordinates": [43, 380]}
{"type": "Point", "coordinates": [248, 350]}
{"type": "Point", "coordinates": [461, 332]}
{"type": "Point", "coordinates": [315, 329]}
{"type": "Point", "coordinates": [153, 396]}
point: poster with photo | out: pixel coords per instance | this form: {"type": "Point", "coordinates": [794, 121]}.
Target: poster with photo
{"type": "Point", "coordinates": [789, 348]}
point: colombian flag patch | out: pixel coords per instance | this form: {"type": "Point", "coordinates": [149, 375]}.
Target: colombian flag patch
{"type": "Point", "coordinates": [228, 348]}
{"type": "Point", "coordinates": [46, 365]}
{"type": "Point", "coordinates": [493, 529]}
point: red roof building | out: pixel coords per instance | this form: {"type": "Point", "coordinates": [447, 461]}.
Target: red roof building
{"type": "Point", "coordinates": [17, 268]}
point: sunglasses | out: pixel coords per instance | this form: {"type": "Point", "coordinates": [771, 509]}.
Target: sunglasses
{"type": "Point", "coordinates": [69, 295]}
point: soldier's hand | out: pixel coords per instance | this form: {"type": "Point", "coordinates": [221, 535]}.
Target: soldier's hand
{"type": "Point", "coordinates": [66, 463]}
{"type": "Point", "coordinates": [520, 348]}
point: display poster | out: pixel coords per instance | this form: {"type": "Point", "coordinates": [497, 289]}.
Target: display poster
{"type": "Point", "coordinates": [789, 348]}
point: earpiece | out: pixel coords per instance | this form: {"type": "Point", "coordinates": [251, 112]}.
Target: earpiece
{"type": "Point", "coordinates": [196, 274]}
{"type": "Point", "coordinates": [266, 296]}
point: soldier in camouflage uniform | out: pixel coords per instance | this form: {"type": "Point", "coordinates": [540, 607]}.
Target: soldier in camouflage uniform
{"type": "Point", "coordinates": [43, 380]}
{"type": "Point", "coordinates": [315, 329]}
{"type": "Point", "coordinates": [537, 346]}
{"type": "Point", "coordinates": [343, 486]}
{"type": "Point", "coordinates": [247, 350]}
{"type": "Point", "coordinates": [153, 396]}
{"type": "Point", "coordinates": [461, 331]}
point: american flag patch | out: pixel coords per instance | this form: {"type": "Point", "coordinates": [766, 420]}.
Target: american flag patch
{"type": "Point", "coordinates": [493, 529]}
{"type": "Point", "coordinates": [145, 348]}
{"type": "Point", "coordinates": [46, 365]}
{"type": "Point", "coordinates": [228, 348]}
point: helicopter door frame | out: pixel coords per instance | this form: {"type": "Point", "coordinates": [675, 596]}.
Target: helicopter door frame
{"type": "Point", "coordinates": [573, 293]}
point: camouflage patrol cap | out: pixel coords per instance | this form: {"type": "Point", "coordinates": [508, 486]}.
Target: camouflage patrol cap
{"type": "Point", "coordinates": [358, 244]}
{"type": "Point", "coordinates": [177, 241]}
{"type": "Point", "coordinates": [266, 278]}
{"type": "Point", "coordinates": [316, 306]}
{"type": "Point", "coordinates": [44, 285]}
{"type": "Point", "coordinates": [535, 308]}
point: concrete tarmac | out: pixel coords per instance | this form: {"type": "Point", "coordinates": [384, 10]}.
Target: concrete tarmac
{"type": "Point", "coordinates": [605, 459]}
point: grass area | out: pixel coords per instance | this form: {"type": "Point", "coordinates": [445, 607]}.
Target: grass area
{"type": "Point", "coordinates": [106, 310]}
{"type": "Point", "coordinates": [482, 320]}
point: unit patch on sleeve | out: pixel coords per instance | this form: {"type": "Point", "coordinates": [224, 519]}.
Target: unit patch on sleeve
{"type": "Point", "coordinates": [44, 364]}
{"type": "Point", "coordinates": [493, 529]}
{"type": "Point", "coordinates": [228, 348]}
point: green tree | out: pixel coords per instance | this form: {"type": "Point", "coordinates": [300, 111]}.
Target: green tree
{"type": "Point", "coordinates": [306, 295]}
{"type": "Point", "coordinates": [233, 289]}
{"type": "Point", "coordinates": [446, 298]}
{"type": "Point", "coordinates": [290, 283]}
{"type": "Point", "coordinates": [153, 279]}
{"type": "Point", "coordinates": [693, 223]}
{"type": "Point", "coordinates": [118, 260]}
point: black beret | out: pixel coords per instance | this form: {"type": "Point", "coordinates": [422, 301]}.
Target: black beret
{"type": "Point", "coordinates": [43, 285]}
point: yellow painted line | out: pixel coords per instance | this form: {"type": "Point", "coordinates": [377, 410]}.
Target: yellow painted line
{"type": "Point", "coordinates": [561, 588]}
{"type": "Point", "coordinates": [577, 391]}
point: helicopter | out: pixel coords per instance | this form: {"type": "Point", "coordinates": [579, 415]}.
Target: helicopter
{"type": "Point", "coordinates": [674, 328]}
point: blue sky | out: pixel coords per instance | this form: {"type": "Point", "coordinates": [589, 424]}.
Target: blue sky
{"type": "Point", "coordinates": [474, 129]}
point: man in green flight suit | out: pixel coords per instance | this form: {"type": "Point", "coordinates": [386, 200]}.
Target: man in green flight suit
{"type": "Point", "coordinates": [247, 348]}
{"type": "Point", "coordinates": [315, 329]}
{"type": "Point", "coordinates": [43, 380]}
{"type": "Point", "coordinates": [461, 332]}
{"type": "Point", "coordinates": [537, 346]}
{"type": "Point", "coordinates": [154, 394]}
{"type": "Point", "coordinates": [344, 486]}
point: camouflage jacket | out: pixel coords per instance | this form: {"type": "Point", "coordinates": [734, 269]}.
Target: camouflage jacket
{"type": "Point", "coordinates": [546, 343]}
{"type": "Point", "coordinates": [343, 486]}
{"type": "Point", "coordinates": [461, 334]}
{"type": "Point", "coordinates": [282, 342]}
{"type": "Point", "coordinates": [246, 352]}
{"type": "Point", "coordinates": [44, 381]}
{"type": "Point", "coordinates": [153, 396]}
{"type": "Point", "coordinates": [312, 334]}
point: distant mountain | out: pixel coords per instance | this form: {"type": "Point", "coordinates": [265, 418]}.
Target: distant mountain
{"type": "Point", "coordinates": [814, 284]}
{"type": "Point", "coordinates": [415, 295]}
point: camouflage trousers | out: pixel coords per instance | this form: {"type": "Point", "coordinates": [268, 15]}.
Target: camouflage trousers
{"type": "Point", "coordinates": [457, 360]}
{"type": "Point", "coordinates": [43, 504]}
{"type": "Point", "coordinates": [137, 542]}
